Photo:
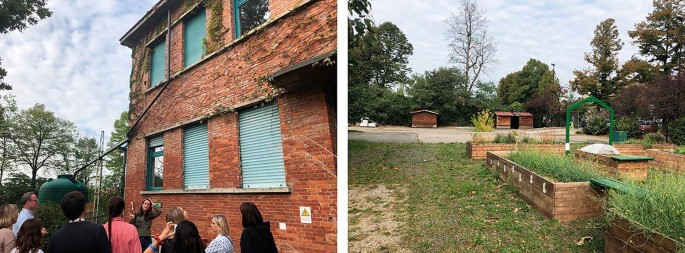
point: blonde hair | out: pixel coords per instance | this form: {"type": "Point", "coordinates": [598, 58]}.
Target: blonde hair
{"type": "Point", "coordinates": [222, 223]}
{"type": "Point", "coordinates": [175, 215]}
{"type": "Point", "coordinates": [8, 215]}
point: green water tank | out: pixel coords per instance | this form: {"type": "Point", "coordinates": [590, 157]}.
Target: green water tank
{"type": "Point", "coordinates": [54, 189]}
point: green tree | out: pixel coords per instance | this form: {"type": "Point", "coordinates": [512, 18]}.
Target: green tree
{"type": "Point", "coordinates": [75, 155]}
{"type": "Point", "coordinates": [535, 77]}
{"type": "Point", "coordinates": [602, 79]}
{"type": "Point", "coordinates": [443, 90]}
{"type": "Point", "coordinates": [114, 162]}
{"type": "Point", "coordinates": [17, 15]}
{"type": "Point", "coordinates": [473, 50]}
{"type": "Point", "coordinates": [8, 108]}
{"type": "Point", "coordinates": [40, 137]}
{"type": "Point", "coordinates": [381, 58]}
{"type": "Point", "coordinates": [662, 36]}
{"type": "Point", "coordinates": [358, 23]}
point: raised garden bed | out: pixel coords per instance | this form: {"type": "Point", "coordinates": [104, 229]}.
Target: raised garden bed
{"type": "Point", "coordinates": [667, 160]}
{"type": "Point", "coordinates": [478, 151]}
{"type": "Point", "coordinates": [622, 236]}
{"type": "Point", "coordinates": [628, 167]}
{"type": "Point", "coordinates": [555, 200]}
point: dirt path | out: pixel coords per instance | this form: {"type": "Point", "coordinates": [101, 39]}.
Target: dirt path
{"type": "Point", "coordinates": [375, 218]}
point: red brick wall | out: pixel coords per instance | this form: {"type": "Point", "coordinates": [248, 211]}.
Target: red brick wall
{"type": "Point", "coordinates": [213, 90]}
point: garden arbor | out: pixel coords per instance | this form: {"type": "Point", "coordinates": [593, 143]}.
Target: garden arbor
{"type": "Point", "coordinates": [587, 100]}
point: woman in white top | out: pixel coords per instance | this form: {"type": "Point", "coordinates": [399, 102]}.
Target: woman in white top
{"type": "Point", "coordinates": [8, 216]}
{"type": "Point", "coordinates": [30, 237]}
{"type": "Point", "coordinates": [222, 243]}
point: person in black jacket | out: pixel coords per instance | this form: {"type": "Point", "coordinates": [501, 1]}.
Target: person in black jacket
{"type": "Point", "coordinates": [256, 236]}
{"type": "Point", "coordinates": [78, 236]}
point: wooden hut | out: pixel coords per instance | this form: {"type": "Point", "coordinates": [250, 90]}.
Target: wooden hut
{"type": "Point", "coordinates": [424, 118]}
{"type": "Point", "coordinates": [513, 120]}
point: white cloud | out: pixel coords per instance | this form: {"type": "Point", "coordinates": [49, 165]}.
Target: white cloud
{"type": "Point", "coordinates": [556, 32]}
{"type": "Point", "coordinates": [73, 62]}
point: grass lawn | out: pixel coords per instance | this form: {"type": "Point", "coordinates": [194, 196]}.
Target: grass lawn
{"type": "Point", "coordinates": [441, 201]}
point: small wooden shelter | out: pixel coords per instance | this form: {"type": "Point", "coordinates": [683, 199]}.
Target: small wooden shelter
{"type": "Point", "coordinates": [513, 120]}
{"type": "Point", "coordinates": [424, 118]}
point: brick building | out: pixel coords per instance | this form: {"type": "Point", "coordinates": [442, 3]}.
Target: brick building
{"type": "Point", "coordinates": [237, 103]}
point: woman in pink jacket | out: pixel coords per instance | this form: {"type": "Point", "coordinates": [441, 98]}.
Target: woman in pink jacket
{"type": "Point", "coordinates": [122, 235]}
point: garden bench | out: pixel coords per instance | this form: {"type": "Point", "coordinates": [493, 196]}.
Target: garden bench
{"type": "Point", "coordinates": [610, 183]}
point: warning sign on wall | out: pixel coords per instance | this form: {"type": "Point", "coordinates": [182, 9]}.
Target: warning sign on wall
{"type": "Point", "coordinates": [306, 214]}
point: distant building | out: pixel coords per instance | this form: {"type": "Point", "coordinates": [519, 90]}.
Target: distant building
{"type": "Point", "coordinates": [247, 113]}
{"type": "Point", "coordinates": [424, 118]}
{"type": "Point", "coordinates": [513, 120]}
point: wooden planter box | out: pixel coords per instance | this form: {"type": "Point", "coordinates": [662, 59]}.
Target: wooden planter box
{"type": "Point", "coordinates": [478, 151]}
{"type": "Point", "coordinates": [667, 160]}
{"type": "Point", "coordinates": [555, 200]}
{"type": "Point", "coordinates": [622, 169]}
{"type": "Point", "coordinates": [639, 149]}
{"type": "Point", "coordinates": [621, 236]}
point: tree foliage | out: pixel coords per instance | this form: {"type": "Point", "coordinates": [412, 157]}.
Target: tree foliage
{"type": "Point", "coordinates": [77, 154]}
{"type": "Point", "coordinates": [40, 137]}
{"type": "Point", "coordinates": [662, 36]}
{"type": "Point", "coordinates": [8, 108]}
{"type": "Point", "coordinates": [381, 57]}
{"type": "Point", "coordinates": [602, 79]}
{"type": "Point", "coordinates": [358, 23]}
{"type": "Point", "coordinates": [536, 88]}
{"type": "Point", "coordinates": [473, 50]}
{"type": "Point", "coordinates": [114, 162]}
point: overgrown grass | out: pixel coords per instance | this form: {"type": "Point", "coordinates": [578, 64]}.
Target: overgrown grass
{"type": "Point", "coordinates": [661, 210]}
{"type": "Point", "coordinates": [454, 204]}
{"type": "Point", "coordinates": [553, 166]}
{"type": "Point", "coordinates": [680, 150]}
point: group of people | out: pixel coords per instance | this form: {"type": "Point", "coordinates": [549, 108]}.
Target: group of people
{"type": "Point", "coordinates": [20, 232]}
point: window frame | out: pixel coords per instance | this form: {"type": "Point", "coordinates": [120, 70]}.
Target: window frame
{"type": "Point", "coordinates": [194, 15]}
{"type": "Point", "coordinates": [236, 16]}
{"type": "Point", "coordinates": [151, 156]}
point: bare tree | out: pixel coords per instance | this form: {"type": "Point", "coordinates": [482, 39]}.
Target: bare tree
{"type": "Point", "coordinates": [471, 46]}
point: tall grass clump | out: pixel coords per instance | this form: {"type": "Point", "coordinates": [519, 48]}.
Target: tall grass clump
{"type": "Point", "coordinates": [560, 168]}
{"type": "Point", "coordinates": [660, 210]}
{"type": "Point", "coordinates": [680, 150]}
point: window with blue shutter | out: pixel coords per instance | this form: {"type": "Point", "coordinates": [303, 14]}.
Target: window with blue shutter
{"type": "Point", "coordinates": [157, 64]}
{"type": "Point", "coordinates": [249, 14]}
{"type": "Point", "coordinates": [261, 149]}
{"type": "Point", "coordinates": [155, 164]}
{"type": "Point", "coordinates": [196, 157]}
{"type": "Point", "coordinates": [194, 34]}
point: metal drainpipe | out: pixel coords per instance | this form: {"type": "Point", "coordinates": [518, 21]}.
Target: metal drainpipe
{"type": "Point", "coordinates": [123, 174]}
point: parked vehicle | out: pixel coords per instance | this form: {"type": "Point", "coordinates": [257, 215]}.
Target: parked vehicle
{"type": "Point", "coordinates": [648, 126]}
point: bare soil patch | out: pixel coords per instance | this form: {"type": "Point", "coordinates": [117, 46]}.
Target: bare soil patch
{"type": "Point", "coordinates": [376, 218]}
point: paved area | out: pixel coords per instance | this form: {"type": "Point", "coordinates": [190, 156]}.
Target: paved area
{"type": "Point", "coordinates": [459, 134]}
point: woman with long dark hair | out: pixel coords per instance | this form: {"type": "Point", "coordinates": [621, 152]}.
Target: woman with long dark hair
{"type": "Point", "coordinates": [142, 219]}
{"type": "Point", "coordinates": [8, 216]}
{"type": "Point", "coordinates": [30, 237]}
{"type": "Point", "coordinates": [121, 235]}
{"type": "Point", "coordinates": [186, 239]}
{"type": "Point", "coordinates": [256, 236]}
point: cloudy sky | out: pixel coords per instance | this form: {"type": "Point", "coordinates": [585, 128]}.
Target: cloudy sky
{"type": "Point", "coordinates": [73, 62]}
{"type": "Point", "coordinates": [556, 32]}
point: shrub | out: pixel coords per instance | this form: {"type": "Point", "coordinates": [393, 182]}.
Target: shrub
{"type": "Point", "coordinates": [505, 138]}
{"type": "Point", "coordinates": [659, 210]}
{"type": "Point", "coordinates": [676, 131]}
{"type": "Point", "coordinates": [680, 150]}
{"type": "Point", "coordinates": [653, 138]}
{"type": "Point", "coordinates": [483, 121]}
{"type": "Point", "coordinates": [560, 168]}
{"type": "Point", "coordinates": [631, 126]}
{"type": "Point", "coordinates": [51, 215]}
{"type": "Point", "coordinates": [477, 138]}
{"type": "Point", "coordinates": [596, 126]}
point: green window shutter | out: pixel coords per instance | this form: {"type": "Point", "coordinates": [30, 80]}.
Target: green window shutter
{"type": "Point", "coordinates": [155, 167]}
{"type": "Point", "coordinates": [196, 157]}
{"type": "Point", "coordinates": [157, 64]}
{"type": "Point", "coordinates": [249, 14]}
{"type": "Point", "coordinates": [194, 34]}
{"type": "Point", "coordinates": [261, 149]}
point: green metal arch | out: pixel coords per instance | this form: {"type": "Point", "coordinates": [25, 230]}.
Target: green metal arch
{"type": "Point", "coordinates": [587, 100]}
